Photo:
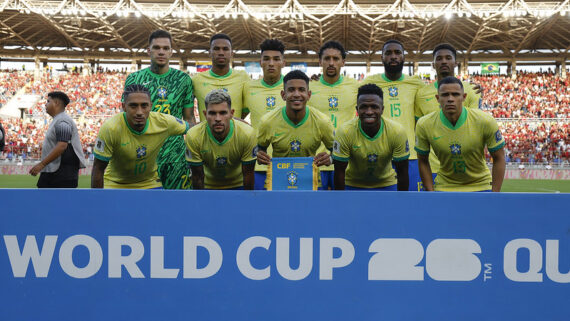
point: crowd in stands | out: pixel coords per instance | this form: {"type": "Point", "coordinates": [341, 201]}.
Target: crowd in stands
{"type": "Point", "coordinates": [10, 83]}
{"type": "Point", "coordinates": [524, 107]}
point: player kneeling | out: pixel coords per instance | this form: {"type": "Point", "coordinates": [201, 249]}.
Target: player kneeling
{"type": "Point", "coordinates": [458, 137]}
{"type": "Point", "coordinates": [129, 143]}
{"type": "Point", "coordinates": [221, 151]}
{"type": "Point", "coordinates": [368, 145]}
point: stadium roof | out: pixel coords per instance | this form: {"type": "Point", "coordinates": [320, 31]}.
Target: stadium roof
{"type": "Point", "coordinates": [90, 30]}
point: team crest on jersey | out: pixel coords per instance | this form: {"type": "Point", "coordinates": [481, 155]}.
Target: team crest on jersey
{"type": "Point", "coordinates": [372, 158]}
{"type": "Point", "coordinates": [270, 102]}
{"type": "Point", "coordinates": [455, 149]}
{"type": "Point", "coordinates": [141, 151]}
{"type": "Point", "coordinates": [333, 103]}
{"type": "Point", "coordinates": [221, 161]}
{"type": "Point", "coordinates": [162, 92]}
{"type": "Point", "coordinates": [295, 145]}
{"type": "Point", "coordinates": [498, 136]}
{"type": "Point", "coordinates": [292, 178]}
{"type": "Point", "coordinates": [393, 91]}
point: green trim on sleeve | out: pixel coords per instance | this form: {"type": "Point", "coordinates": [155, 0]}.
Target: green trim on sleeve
{"type": "Point", "coordinates": [195, 164]}
{"type": "Point", "coordinates": [103, 158]}
{"type": "Point", "coordinates": [421, 152]}
{"type": "Point", "coordinates": [496, 148]}
{"type": "Point", "coordinates": [249, 162]}
{"type": "Point", "coordinates": [340, 159]}
{"type": "Point", "coordinates": [399, 159]}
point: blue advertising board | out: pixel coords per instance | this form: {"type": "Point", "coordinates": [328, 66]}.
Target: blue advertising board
{"type": "Point", "coordinates": [258, 255]}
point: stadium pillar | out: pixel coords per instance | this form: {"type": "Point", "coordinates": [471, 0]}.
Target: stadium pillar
{"type": "Point", "coordinates": [464, 67]}
{"type": "Point", "coordinates": [183, 64]}
{"type": "Point", "coordinates": [416, 67]}
{"type": "Point", "coordinates": [368, 64]}
{"type": "Point", "coordinates": [86, 67]}
{"type": "Point", "coordinates": [563, 71]}
{"type": "Point", "coordinates": [512, 69]}
{"type": "Point", "coordinates": [37, 68]}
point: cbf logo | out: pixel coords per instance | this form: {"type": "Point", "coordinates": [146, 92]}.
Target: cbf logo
{"type": "Point", "coordinates": [162, 93]}
{"type": "Point", "coordinates": [333, 103]}
{"type": "Point", "coordinates": [295, 145]}
{"type": "Point", "coordinates": [270, 102]}
{"type": "Point", "coordinates": [221, 161]}
{"type": "Point", "coordinates": [455, 149]}
{"type": "Point", "coordinates": [372, 158]}
{"type": "Point", "coordinates": [498, 136]}
{"type": "Point", "coordinates": [292, 179]}
{"type": "Point", "coordinates": [141, 151]}
{"type": "Point", "coordinates": [393, 91]}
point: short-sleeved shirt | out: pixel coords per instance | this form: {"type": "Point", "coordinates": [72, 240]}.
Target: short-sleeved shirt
{"type": "Point", "coordinates": [170, 94]}
{"type": "Point", "coordinates": [232, 82]}
{"type": "Point", "coordinates": [460, 148]}
{"type": "Point", "coordinates": [290, 140]}
{"type": "Point", "coordinates": [399, 101]}
{"type": "Point", "coordinates": [221, 160]}
{"type": "Point", "coordinates": [259, 98]}
{"type": "Point", "coordinates": [132, 154]}
{"type": "Point", "coordinates": [427, 103]}
{"type": "Point", "coordinates": [370, 158]}
{"type": "Point", "coordinates": [338, 101]}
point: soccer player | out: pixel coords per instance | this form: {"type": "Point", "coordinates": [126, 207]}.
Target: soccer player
{"type": "Point", "coordinates": [295, 130]}
{"type": "Point", "coordinates": [458, 137]}
{"type": "Point", "coordinates": [399, 96]}
{"type": "Point", "coordinates": [129, 143]}
{"type": "Point", "coordinates": [221, 76]}
{"type": "Point", "coordinates": [368, 145]}
{"type": "Point", "coordinates": [333, 95]}
{"type": "Point", "coordinates": [444, 63]}
{"type": "Point", "coordinates": [221, 151]}
{"type": "Point", "coordinates": [170, 93]}
{"type": "Point", "coordinates": [264, 95]}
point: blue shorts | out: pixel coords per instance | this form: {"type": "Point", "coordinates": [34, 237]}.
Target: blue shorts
{"type": "Point", "coordinates": [327, 181]}
{"type": "Point", "coordinates": [421, 186]}
{"type": "Point", "coordinates": [384, 189]}
{"type": "Point", "coordinates": [259, 180]}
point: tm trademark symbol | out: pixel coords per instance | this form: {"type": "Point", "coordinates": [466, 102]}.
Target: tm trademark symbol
{"type": "Point", "coordinates": [487, 274]}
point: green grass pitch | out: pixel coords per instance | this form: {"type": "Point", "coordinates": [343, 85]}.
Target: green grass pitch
{"type": "Point", "coordinates": [514, 185]}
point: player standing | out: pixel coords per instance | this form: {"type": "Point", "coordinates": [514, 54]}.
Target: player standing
{"type": "Point", "coordinates": [333, 94]}
{"type": "Point", "coordinates": [264, 95]}
{"type": "Point", "coordinates": [295, 130]}
{"type": "Point", "coordinates": [129, 143]}
{"type": "Point", "coordinates": [399, 98]}
{"type": "Point", "coordinates": [221, 151]}
{"type": "Point", "coordinates": [458, 137]}
{"type": "Point", "coordinates": [368, 145]}
{"type": "Point", "coordinates": [221, 76]}
{"type": "Point", "coordinates": [171, 93]}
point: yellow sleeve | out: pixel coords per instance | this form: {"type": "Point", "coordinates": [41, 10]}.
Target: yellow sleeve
{"type": "Point", "coordinates": [493, 137]}
{"type": "Point", "coordinates": [176, 126]}
{"type": "Point", "coordinates": [472, 100]}
{"type": "Point", "coordinates": [103, 149]}
{"type": "Point", "coordinates": [327, 132]}
{"type": "Point", "coordinates": [192, 149]}
{"type": "Point", "coordinates": [400, 145]}
{"type": "Point", "coordinates": [417, 105]}
{"type": "Point", "coordinates": [341, 146]}
{"type": "Point", "coordinates": [264, 134]}
{"type": "Point", "coordinates": [249, 154]}
{"type": "Point", "coordinates": [422, 143]}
